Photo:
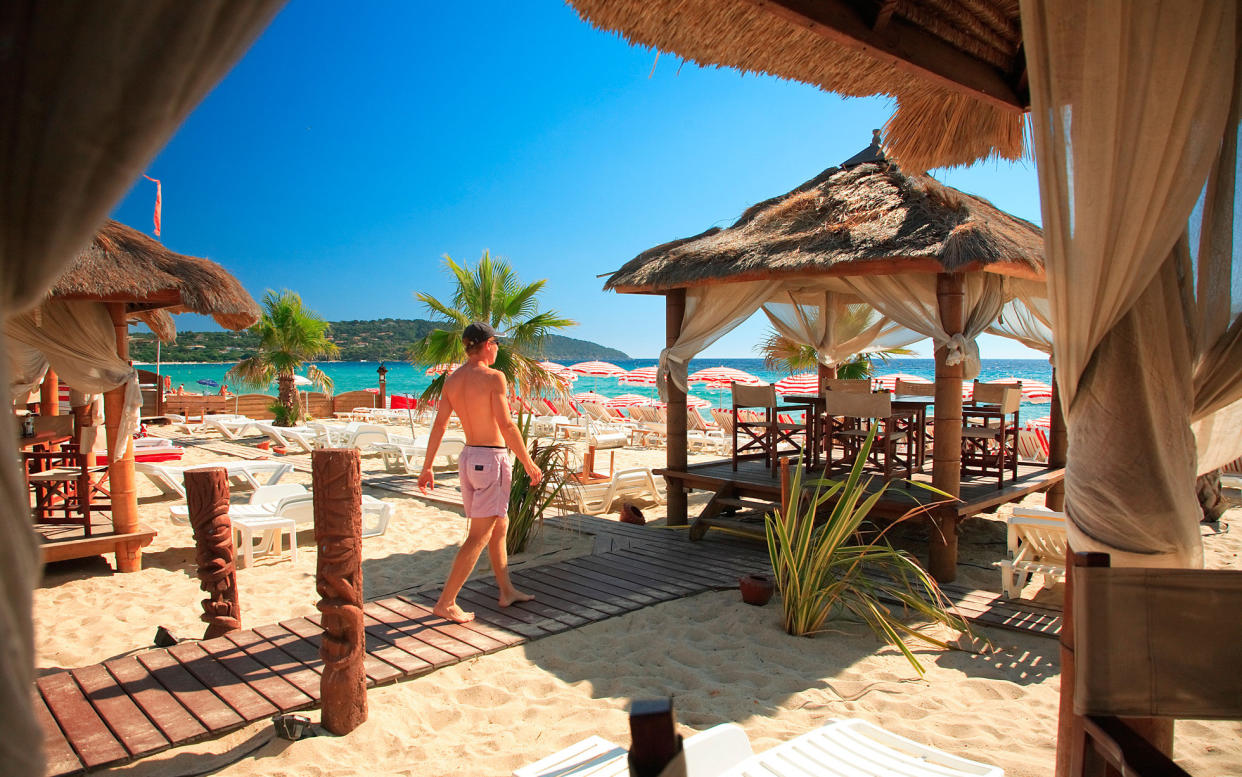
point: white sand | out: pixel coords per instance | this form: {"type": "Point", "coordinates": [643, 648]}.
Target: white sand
{"type": "Point", "coordinates": [722, 660]}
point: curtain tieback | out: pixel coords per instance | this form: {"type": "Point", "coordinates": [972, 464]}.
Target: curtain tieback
{"type": "Point", "coordinates": [955, 348]}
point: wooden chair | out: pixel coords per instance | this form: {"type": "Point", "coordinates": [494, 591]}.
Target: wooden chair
{"type": "Point", "coordinates": [761, 434]}
{"type": "Point", "coordinates": [906, 388]}
{"type": "Point", "coordinates": [990, 431]}
{"type": "Point", "coordinates": [62, 482]}
{"type": "Point", "coordinates": [860, 386]}
{"type": "Point", "coordinates": [849, 418]}
{"type": "Point", "coordinates": [1147, 646]}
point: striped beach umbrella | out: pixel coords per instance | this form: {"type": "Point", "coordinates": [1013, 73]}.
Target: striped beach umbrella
{"type": "Point", "coordinates": [627, 400]}
{"type": "Point", "coordinates": [597, 369]}
{"type": "Point", "coordinates": [441, 369]}
{"type": "Point", "coordinates": [590, 396]}
{"type": "Point", "coordinates": [692, 402]}
{"type": "Point", "coordinates": [643, 376]}
{"type": "Point", "coordinates": [804, 383]}
{"type": "Point", "coordinates": [1036, 392]}
{"type": "Point", "coordinates": [560, 371]}
{"type": "Point", "coordinates": [723, 376]}
{"type": "Point", "coordinates": [1044, 423]}
{"type": "Point", "coordinates": [889, 382]}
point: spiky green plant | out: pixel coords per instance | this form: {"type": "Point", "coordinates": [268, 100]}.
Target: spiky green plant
{"type": "Point", "coordinates": [492, 292]}
{"type": "Point", "coordinates": [290, 337]}
{"type": "Point", "coordinates": [828, 570]}
{"type": "Point", "coordinates": [527, 503]}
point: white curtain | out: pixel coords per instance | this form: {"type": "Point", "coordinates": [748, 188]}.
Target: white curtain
{"type": "Point", "coordinates": [711, 313]}
{"type": "Point", "coordinates": [79, 341]}
{"type": "Point", "coordinates": [1027, 316]}
{"type": "Point", "coordinates": [1130, 103]}
{"type": "Point", "coordinates": [90, 92]}
{"type": "Point", "coordinates": [910, 300]}
{"type": "Point", "coordinates": [837, 327]}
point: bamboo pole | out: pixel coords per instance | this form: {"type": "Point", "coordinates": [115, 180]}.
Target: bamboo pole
{"type": "Point", "coordinates": [676, 456]}
{"type": "Point", "coordinates": [1058, 445]}
{"type": "Point", "coordinates": [947, 445]}
{"type": "Point", "coordinates": [49, 394]}
{"type": "Point", "coordinates": [121, 452]}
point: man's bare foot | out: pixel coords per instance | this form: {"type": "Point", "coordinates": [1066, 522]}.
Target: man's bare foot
{"type": "Point", "coordinates": [453, 613]}
{"type": "Point", "coordinates": [513, 596]}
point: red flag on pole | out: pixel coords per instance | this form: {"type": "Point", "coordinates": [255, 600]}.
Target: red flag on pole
{"type": "Point", "coordinates": [159, 202]}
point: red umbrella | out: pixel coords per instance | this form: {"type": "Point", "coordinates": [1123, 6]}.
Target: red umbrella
{"type": "Point", "coordinates": [627, 400]}
{"type": "Point", "coordinates": [590, 396]}
{"type": "Point", "coordinates": [560, 371]}
{"type": "Point", "coordinates": [597, 369]}
{"type": "Point", "coordinates": [723, 376]}
{"type": "Point", "coordinates": [440, 369]}
{"type": "Point", "coordinates": [805, 383]}
{"type": "Point", "coordinates": [692, 402]}
{"type": "Point", "coordinates": [643, 376]}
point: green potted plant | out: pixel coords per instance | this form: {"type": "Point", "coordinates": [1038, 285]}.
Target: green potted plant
{"type": "Point", "coordinates": [826, 570]}
{"type": "Point", "coordinates": [527, 502]}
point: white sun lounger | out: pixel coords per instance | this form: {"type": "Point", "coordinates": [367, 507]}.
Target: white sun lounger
{"type": "Point", "coordinates": [842, 747]}
{"type": "Point", "coordinates": [290, 437]}
{"type": "Point", "coordinates": [170, 479]}
{"type": "Point", "coordinates": [230, 427]}
{"type": "Point", "coordinates": [627, 485]}
{"type": "Point", "coordinates": [1037, 546]}
{"type": "Point", "coordinates": [402, 456]}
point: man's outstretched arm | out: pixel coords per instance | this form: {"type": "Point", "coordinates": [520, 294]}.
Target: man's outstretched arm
{"type": "Point", "coordinates": [426, 478]}
{"type": "Point", "coordinates": [510, 431]}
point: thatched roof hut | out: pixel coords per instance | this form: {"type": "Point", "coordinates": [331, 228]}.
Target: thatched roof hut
{"type": "Point", "coordinates": [859, 219]}
{"type": "Point", "coordinates": [957, 70]}
{"type": "Point", "coordinates": [123, 265]}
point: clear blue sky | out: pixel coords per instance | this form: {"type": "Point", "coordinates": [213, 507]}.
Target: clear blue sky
{"type": "Point", "coordinates": [356, 145]}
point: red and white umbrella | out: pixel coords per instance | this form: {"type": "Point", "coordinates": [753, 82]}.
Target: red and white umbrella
{"type": "Point", "coordinates": [441, 369]}
{"type": "Point", "coordinates": [643, 376]}
{"type": "Point", "coordinates": [627, 400]}
{"type": "Point", "coordinates": [804, 383]}
{"type": "Point", "coordinates": [1044, 423]}
{"type": "Point", "coordinates": [1036, 392]}
{"type": "Point", "coordinates": [889, 382]}
{"type": "Point", "coordinates": [590, 396]}
{"type": "Point", "coordinates": [597, 369]}
{"type": "Point", "coordinates": [692, 402]}
{"type": "Point", "coordinates": [560, 371]}
{"type": "Point", "coordinates": [723, 376]}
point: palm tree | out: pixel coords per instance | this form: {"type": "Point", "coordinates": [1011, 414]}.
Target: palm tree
{"type": "Point", "coordinates": [491, 292]}
{"type": "Point", "coordinates": [781, 353]}
{"type": "Point", "coordinates": [290, 336]}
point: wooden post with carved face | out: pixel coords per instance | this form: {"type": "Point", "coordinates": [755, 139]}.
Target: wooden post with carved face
{"type": "Point", "coordinates": [337, 484]}
{"type": "Point", "coordinates": [207, 495]}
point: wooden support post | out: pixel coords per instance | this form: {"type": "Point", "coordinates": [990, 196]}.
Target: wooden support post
{"type": "Point", "coordinates": [1058, 445]}
{"type": "Point", "coordinates": [336, 476]}
{"type": "Point", "coordinates": [49, 394]}
{"type": "Point", "coordinates": [121, 452]}
{"type": "Point", "coordinates": [207, 496]}
{"type": "Point", "coordinates": [947, 445]}
{"type": "Point", "coordinates": [676, 457]}
{"type": "Point", "coordinates": [825, 373]}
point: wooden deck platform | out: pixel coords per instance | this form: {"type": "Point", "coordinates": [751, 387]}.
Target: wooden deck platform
{"type": "Point", "coordinates": [755, 486]}
{"type": "Point", "coordinates": [140, 704]}
{"type": "Point", "coordinates": [62, 542]}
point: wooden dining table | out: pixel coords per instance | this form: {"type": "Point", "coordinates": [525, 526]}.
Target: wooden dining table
{"type": "Point", "coordinates": [43, 441]}
{"type": "Point", "coordinates": [918, 405]}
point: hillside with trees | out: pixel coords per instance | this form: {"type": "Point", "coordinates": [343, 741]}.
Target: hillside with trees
{"type": "Point", "coordinates": [385, 339]}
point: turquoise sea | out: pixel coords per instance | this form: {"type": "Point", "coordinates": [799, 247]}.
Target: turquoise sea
{"type": "Point", "coordinates": [404, 378]}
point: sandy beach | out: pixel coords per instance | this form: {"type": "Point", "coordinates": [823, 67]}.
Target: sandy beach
{"type": "Point", "coordinates": [721, 660]}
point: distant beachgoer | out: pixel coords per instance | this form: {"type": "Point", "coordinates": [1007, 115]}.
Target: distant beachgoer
{"type": "Point", "coordinates": [181, 389]}
{"type": "Point", "coordinates": [476, 392]}
{"type": "Point", "coordinates": [224, 390]}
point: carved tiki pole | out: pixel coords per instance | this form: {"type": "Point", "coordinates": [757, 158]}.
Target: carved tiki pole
{"type": "Point", "coordinates": [207, 495]}
{"type": "Point", "coordinates": [337, 479]}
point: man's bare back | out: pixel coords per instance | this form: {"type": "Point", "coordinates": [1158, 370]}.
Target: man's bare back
{"type": "Point", "coordinates": [472, 390]}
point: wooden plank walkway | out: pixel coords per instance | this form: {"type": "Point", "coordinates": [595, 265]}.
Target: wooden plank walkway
{"type": "Point", "coordinates": [133, 706]}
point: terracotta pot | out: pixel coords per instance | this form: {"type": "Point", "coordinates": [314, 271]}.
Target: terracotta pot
{"type": "Point", "coordinates": [756, 589]}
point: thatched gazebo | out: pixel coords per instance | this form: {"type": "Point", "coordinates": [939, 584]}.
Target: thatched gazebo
{"type": "Point", "coordinates": [122, 276]}
{"type": "Point", "coordinates": [841, 239]}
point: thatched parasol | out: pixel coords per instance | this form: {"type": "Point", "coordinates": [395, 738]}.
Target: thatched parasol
{"type": "Point", "coordinates": [123, 265]}
{"type": "Point", "coordinates": [957, 70]}
{"type": "Point", "coordinates": [868, 218]}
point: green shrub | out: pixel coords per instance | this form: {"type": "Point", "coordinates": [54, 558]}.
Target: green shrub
{"type": "Point", "coordinates": [527, 503]}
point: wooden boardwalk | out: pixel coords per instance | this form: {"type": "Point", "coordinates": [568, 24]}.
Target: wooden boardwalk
{"type": "Point", "coordinates": [137, 705]}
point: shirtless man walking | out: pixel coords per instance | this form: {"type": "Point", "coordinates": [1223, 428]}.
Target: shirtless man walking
{"type": "Point", "coordinates": [477, 393]}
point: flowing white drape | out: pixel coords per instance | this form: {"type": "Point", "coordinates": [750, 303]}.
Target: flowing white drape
{"type": "Point", "coordinates": [1130, 103]}
{"type": "Point", "coordinates": [711, 313]}
{"type": "Point", "coordinates": [910, 300]}
{"type": "Point", "coordinates": [78, 340]}
{"type": "Point", "coordinates": [837, 327]}
{"type": "Point", "coordinates": [90, 92]}
{"type": "Point", "coordinates": [1027, 316]}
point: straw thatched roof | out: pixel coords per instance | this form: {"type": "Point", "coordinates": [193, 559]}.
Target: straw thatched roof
{"type": "Point", "coordinates": [956, 69]}
{"type": "Point", "coordinates": [859, 220]}
{"type": "Point", "coordinates": [123, 265]}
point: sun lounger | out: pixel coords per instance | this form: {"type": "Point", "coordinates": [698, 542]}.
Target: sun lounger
{"type": "Point", "coordinates": [230, 427]}
{"type": "Point", "coordinates": [842, 747]}
{"type": "Point", "coordinates": [1037, 546]}
{"type": "Point", "coordinates": [401, 456]}
{"type": "Point", "coordinates": [290, 437]}
{"type": "Point", "coordinates": [627, 485]}
{"type": "Point", "coordinates": [169, 479]}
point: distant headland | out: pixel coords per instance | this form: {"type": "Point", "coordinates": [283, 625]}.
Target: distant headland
{"type": "Point", "coordinates": [384, 339]}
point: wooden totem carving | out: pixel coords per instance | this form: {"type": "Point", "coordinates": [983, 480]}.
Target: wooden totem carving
{"type": "Point", "coordinates": [207, 495]}
{"type": "Point", "coordinates": [337, 480]}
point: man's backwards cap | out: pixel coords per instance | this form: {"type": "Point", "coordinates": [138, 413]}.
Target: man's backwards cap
{"type": "Point", "coordinates": [478, 332]}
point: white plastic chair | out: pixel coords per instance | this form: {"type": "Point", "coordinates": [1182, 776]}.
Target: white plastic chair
{"type": "Point", "coordinates": [1037, 545]}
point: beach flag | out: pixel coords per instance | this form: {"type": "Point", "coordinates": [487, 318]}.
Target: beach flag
{"type": "Point", "coordinates": [159, 202]}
